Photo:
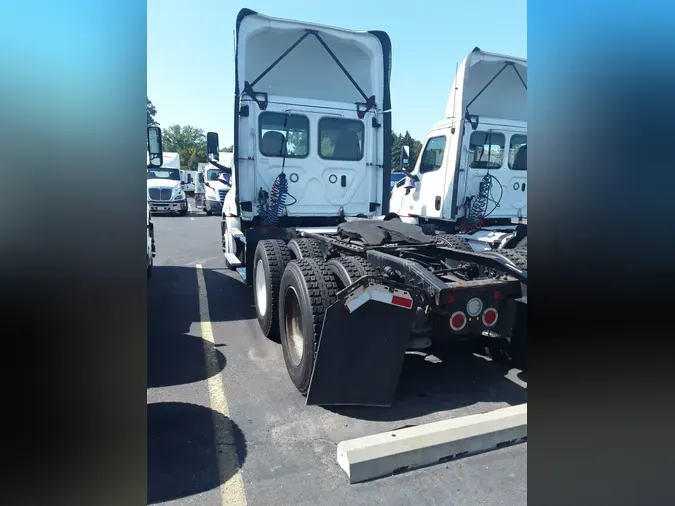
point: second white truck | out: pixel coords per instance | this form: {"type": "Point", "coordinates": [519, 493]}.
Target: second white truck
{"type": "Point", "coordinates": [471, 177]}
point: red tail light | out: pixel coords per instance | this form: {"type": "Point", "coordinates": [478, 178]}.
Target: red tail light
{"type": "Point", "coordinates": [490, 317]}
{"type": "Point", "coordinates": [457, 321]}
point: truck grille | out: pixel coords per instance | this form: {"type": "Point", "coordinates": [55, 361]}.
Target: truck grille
{"type": "Point", "coordinates": [160, 193]}
{"type": "Point", "coordinates": [221, 195]}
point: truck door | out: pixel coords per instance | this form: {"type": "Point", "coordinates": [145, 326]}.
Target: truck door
{"type": "Point", "coordinates": [427, 200]}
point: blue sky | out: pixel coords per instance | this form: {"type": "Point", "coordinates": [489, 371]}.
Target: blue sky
{"type": "Point", "coordinates": [191, 48]}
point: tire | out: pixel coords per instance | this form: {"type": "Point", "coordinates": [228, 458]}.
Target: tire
{"type": "Point", "coordinates": [522, 243]}
{"type": "Point", "coordinates": [305, 248]}
{"type": "Point", "coordinates": [453, 241]}
{"type": "Point", "coordinates": [307, 289]}
{"type": "Point", "coordinates": [269, 262]}
{"type": "Point", "coordinates": [349, 269]}
{"type": "Point", "coordinates": [517, 255]}
{"type": "Point", "coordinates": [183, 212]}
{"type": "Point", "coordinates": [208, 211]}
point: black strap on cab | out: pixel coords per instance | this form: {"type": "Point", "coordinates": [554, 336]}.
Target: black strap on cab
{"type": "Point", "coordinates": [261, 97]}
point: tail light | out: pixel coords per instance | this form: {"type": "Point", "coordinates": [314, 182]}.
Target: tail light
{"type": "Point", "coordinates": [457, 321]}
{"type": "Point", "coordinates": [490, 317]}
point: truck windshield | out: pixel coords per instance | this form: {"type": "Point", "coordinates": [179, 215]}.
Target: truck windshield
{"type": "Point", "coordinates": [212, 174]}
{"type": "Point", "coordinates": [172, 174]}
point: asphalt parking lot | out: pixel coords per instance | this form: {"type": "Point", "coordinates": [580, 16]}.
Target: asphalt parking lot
{"type": "Point", "coordinates": [267, 447]}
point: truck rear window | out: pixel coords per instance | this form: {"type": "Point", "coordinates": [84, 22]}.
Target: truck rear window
{"type": "Point", "coordinates": [518, 152]}
{"type": "Point", "coordinates": [341, 139]}
{"type": "Point", "coordinates": [279, 132]}
{"type": "Point", "coordinates": [486, 150]}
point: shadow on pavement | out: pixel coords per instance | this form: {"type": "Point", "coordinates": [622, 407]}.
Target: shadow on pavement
{"type": "Point", "coordinates": [174, 356]}
{"type": "Point", "coordinates": [453, 377]}
{"type": "Point", "coordinates": [176, 359]}
{"type": "Point", "coordinates": [182, 459]}
{"type": "Point", "coordinates": [229, 297]}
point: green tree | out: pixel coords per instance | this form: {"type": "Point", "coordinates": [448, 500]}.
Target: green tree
{"type": "Point", "coordinates": [327, 146]}
{"type": "Point", "coordinates": [151, 110]}
{"type": "Point", "coordinates": [189, 142]}
{"type": "Point", "coordinates": [229, 149]}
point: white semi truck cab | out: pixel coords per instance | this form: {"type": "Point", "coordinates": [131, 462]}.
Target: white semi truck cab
{"type": "Point", "coordinates": [471, 176]}
{"type": "Point", "coordinates": [217, 184]}
{"type": "Point", "coordinates": [155, 160]}
{"type": "Point", "coordinates": [344, 291]}
{"type": "Point", "coordinates": [165, 187]}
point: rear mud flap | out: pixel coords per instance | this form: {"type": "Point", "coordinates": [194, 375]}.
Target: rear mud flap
{"type": "Point", "coordinates": [360, 354]}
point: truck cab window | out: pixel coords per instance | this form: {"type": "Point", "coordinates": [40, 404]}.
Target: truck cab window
{"type": "Point", "coordinates": [432, 156]}
{"type": "Point", "coordinates": [279, 131]}
{"type": "Point", "coordinates": [518, 152]}
{"type": "Point", "coordinates": [486, 150]}
{"type": "Point", "coordinates": [341, 139]}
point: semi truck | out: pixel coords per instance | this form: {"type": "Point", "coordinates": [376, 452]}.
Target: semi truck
{"type": "Point", "coordinates": [165, 186]}
{"type": "Point", "coordinates": [471, 177]}
{"type": "Point", "coordinates": [155, 160]}
{"type": "Point", "coordinates": [217, 184]}
{"type": "Point", "coordinates": [345, 287]}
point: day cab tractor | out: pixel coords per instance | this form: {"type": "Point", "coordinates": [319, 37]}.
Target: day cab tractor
{"type": "Point", "coordinates": [155, 160]}
{"type": "Point", "coordinates": [471, 176]}
{"type": "Point", "coordinates": [345, 291]}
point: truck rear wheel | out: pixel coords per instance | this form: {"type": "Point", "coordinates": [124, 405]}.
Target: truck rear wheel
{"type": "Point", "coordinates": [453, 241]}
{"type": "Point", "coordinates": [307, 289]}
{"type": "Point", "coordinates": [269, 262]}
{"type": "Point", "coordinates": [305, 248]}
{"type": "Point", "coordinates": [349, 269]}
{"type": "Point", "coordinates": [516, 255]}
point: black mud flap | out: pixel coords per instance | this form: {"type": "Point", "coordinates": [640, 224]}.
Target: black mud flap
{"type": "Point", "coordinates": [360, 354]}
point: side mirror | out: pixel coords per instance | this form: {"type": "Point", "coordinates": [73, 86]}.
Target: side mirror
{"type": "Point", "coordinates": [200, 177]}
{"type": "Point", "coordinates": [405, 159]}
{"type": "Point", "coordinates": [212, 151]}
{"type": "Point", "coordinates": [155, 147]}
{"type": "Point", "coordinates": [207, 184]}
{"type": "Point", "coordinates": [182, 183]}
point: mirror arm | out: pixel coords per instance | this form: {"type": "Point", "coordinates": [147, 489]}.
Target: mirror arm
{"type": "Point", "coordinates": [227, 170]}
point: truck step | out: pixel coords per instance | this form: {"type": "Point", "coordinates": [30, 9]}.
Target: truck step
{"type": "Point", "coordinates": [242, 272]}
{"type": "Point", "coordinates": [232, 260]}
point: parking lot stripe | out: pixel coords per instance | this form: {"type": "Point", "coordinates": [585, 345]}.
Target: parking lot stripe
{"type": "Point", "coordinates": [231, 490]}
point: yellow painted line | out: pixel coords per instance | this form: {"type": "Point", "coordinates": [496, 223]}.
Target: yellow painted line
{"type": "Point", "coordinates": [231, 490]}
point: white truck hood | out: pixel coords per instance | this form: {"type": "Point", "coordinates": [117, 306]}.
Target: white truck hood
{"type": "Point", "coordinates": [162, 183]}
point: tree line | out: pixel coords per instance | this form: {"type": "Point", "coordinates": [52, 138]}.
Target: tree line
{"type": "Point", "coordinates": [190, 143]}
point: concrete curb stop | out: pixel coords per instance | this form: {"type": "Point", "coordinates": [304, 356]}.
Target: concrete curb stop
{"type": "Point", "coordinates": [380, 455]}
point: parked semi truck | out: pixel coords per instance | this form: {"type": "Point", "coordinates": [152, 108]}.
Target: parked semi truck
{"type": "Point", "coordinates": [217, 184]}
{"type": "Point", "coordinates": [471, 176]}
{"type": "Point", "coordinates": [155, 160]}
{"type": "Point", "coordinates": [165, 186]}
{"type": "Point", "coordinates": [345, 290]}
